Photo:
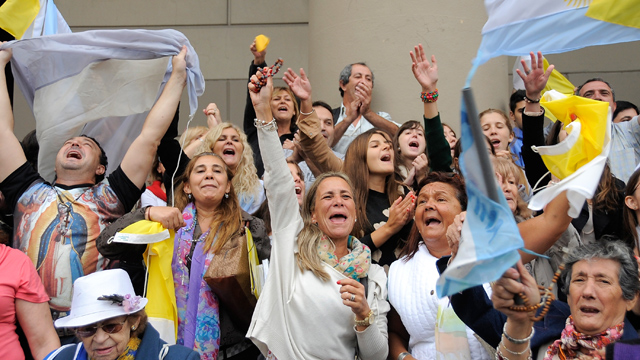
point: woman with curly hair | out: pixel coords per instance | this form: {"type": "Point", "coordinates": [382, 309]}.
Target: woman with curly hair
{"type": "Point", "coordinates": [230, 143]}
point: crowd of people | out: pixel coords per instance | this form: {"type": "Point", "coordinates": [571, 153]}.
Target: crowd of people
{"type": "Point", "coordinates": [356, 215]}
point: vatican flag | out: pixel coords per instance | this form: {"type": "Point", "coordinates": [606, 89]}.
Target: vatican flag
{"type": "Point", "coordinates": [26, 19]}
{"type": "Point", "coordinates": [580, 158]}
{"type": "Point", "coordinates": [159, 290]}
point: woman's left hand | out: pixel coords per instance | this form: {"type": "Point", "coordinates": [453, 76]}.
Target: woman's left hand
{"type": "Point", "coordinates": [300, 85]}
{"type": "Point", "coordinates": [262, 99]}
{"type": "Point", "coordinates": [352, 294]}
{"type": "Point", "coordinates": [426, 73]}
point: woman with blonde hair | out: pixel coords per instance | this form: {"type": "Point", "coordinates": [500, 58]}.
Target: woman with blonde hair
{"type": "Point", "coordinates": [230, 143]}
{"type": "Point", "coordinates": [319, 274]}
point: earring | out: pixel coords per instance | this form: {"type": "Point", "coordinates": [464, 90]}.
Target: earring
{"type": "Point", "coordinates": [189, 196]}
{"type": "Point", "coordinates": [133, 328]}
{"type": "Point", "coordinates": [226, 195]}
{"type": "Point", "coordinates": [356, 220]}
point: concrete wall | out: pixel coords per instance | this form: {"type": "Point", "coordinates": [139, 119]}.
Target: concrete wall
{"type": "Point", "coordinates": [324, 35]}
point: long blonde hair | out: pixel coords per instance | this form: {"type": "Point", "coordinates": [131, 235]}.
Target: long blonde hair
{"type": "Point", "coordinates": [228, 216]}
{"type": "Point", "coordinates": [245, 179]}
{"type": "Point", "coordinates": [310, 235]}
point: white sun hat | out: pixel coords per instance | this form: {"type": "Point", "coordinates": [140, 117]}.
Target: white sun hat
{"type": "Point", "coordinates": [100, 296]}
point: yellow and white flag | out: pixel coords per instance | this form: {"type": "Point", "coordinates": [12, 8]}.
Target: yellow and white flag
{"type": "Point", "coordinates": [159, 290]}
{"type": "Point", "coordinates": [25, 19]}
{"type": "Point", "coordinates": [580, 158]}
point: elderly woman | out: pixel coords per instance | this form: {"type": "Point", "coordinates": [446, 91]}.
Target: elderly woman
{"type": "Point", "coordinates": [601, 283]}
{"type": "Point", "coordinates": [110, 322]}
{"type": "Point", "coordinates": [428, 328]}
{"type": "Point", "coordinates": [323, 298]}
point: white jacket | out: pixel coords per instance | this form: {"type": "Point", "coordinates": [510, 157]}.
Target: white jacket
{"type": "Point", "coordinates": [299, 316]}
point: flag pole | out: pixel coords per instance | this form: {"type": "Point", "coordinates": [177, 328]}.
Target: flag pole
{"type": "Point", "coordinates": [480, 143]}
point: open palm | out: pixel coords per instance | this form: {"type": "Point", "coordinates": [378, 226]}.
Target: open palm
{"type": "Point", "coordinates": [300, 85]}
{"type": "Point", "coordinates": [426, 73]}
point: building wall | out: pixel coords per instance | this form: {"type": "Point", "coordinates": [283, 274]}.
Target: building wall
{"type": "Point", "coordinates": [324, 35]}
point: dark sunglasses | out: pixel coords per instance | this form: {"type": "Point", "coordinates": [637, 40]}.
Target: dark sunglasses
{"type": "Point", "coordinates": [112, 328]}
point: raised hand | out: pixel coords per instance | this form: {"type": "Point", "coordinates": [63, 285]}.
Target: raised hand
{"type": "Point", "coordinates": [261, 100]}
{"type": "Point", "coordinates": [213, 115]}
{"type": "Point", "coordinates": [258, 56]}
{"type": "Point", "coordinates": [300, 85]}
{"type": "Point", "coordinates": [179, 64]}
{"type": "Point", "coordinates": [5, 55]}
{"type": "Point", "coordinates": [535, 79]}
{"type": "Point", "coordinates": [426, 73]}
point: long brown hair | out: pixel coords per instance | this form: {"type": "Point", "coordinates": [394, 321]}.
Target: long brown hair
{"type": "Point", "coordinates": [356, 168]}
{"type": "Point", "coordinates": [630, 219]}
{"type": "Point", "coordinates": [228, 215]}
{"type": "Point", "coordinates": [296, 108]}
{"type": "Point", "coordinates": [409, 125]}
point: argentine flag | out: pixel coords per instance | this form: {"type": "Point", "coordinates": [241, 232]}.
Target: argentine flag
{"type": "Point", "coordinates": [517, 27]}
{"type": "Point", "coordinates": [490, 237]}
{"type": "Point", "coordinates": [100, 82]}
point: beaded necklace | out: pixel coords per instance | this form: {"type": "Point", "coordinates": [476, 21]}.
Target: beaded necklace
{"type": "Point", "coordinates": [194, 243]}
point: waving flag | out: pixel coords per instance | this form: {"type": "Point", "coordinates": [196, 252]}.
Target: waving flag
{"type": "Point", "coordinates": [580, 158]}
{"type": "Point", "coordinates": [115, 76]}
{"type": "Point", "coordinates": [26, 19]}
{"type": "Point", "coordinates": [490, 237]}
{"type": "Point", "coordinates": [517, 27]}
{"type": "Point", "coordinates": [161, 308]}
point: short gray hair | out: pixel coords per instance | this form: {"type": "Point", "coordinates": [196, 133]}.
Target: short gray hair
{"type": "Point", "coordinates": [611, 248]}
{"type": "Point", "coordinates": [345, 74]}
{"type": "Point", "coordinates": [579, 88]}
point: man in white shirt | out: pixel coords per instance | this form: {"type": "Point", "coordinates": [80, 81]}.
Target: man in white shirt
{"type": "Point", "coordinates": [625, 137]}
{"type": "Point", "coordinates": [355, 116]}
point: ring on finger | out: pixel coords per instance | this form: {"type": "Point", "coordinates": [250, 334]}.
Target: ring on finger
{"type": "Point", "coordinates": [353, 297]}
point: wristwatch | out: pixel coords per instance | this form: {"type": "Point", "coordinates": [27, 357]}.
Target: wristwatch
{"type": "Point", "coordinates": [366, 321]}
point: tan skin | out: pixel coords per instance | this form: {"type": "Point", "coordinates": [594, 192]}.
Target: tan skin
{"type": "Point", "coordinates": [435, 201]}
{"type": "Point", "coordinates": [37, 325]}
{"type": "Point", "coordinates": [339, 195]}
{"type": "Point", "coordinates": [105, 346]}
{"type": "Point", "coordinates": [401, 210]}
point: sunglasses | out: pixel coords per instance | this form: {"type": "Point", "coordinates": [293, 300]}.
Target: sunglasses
{"type": "Point", "coordinates": [111, 328]}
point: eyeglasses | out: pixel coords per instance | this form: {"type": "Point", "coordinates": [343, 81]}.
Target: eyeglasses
{"type": "Point", "coordinates": [112, 328]}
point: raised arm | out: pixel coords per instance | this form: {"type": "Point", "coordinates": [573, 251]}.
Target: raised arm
{"type": "Point", "coordinates": [535, 79]}
{"type": "Point", "coordinates": [426, 74]}
{"type": "Point", "coordinates": [278, 181]}
{"type": "Point", "coordinates": [313, 143]}
{"type": "Point", "coordinates": [12, 154]}
{"type": "Point", "coordinates": [249, 112]}
{"type": "Point", "coordinates": [139, 158]}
